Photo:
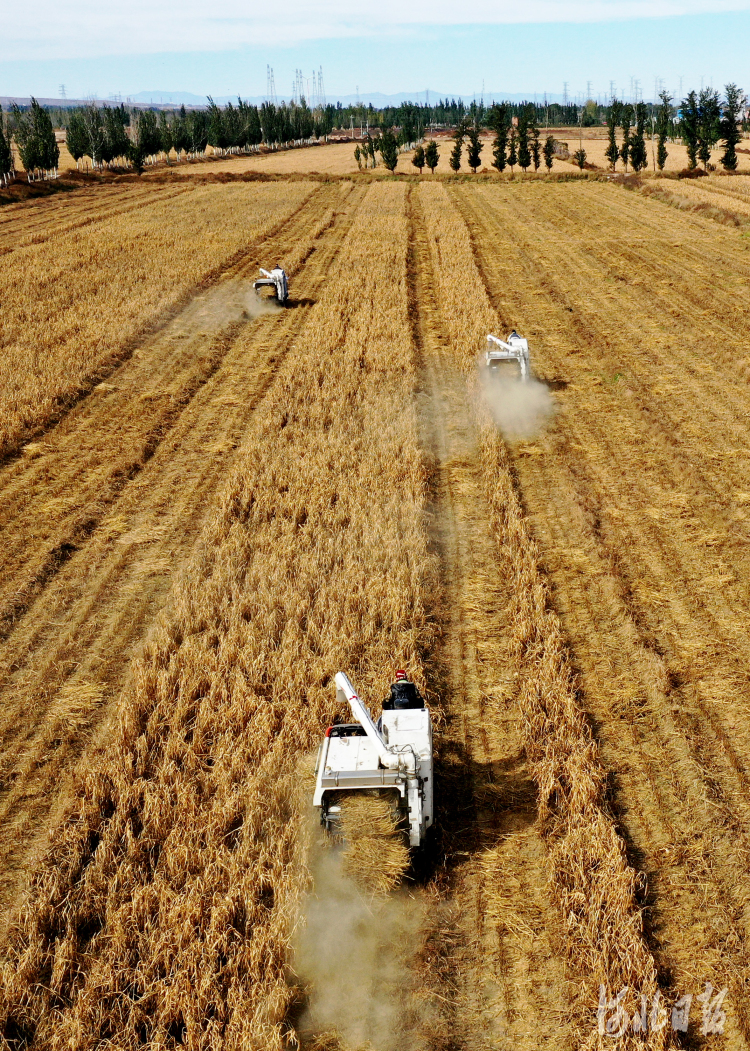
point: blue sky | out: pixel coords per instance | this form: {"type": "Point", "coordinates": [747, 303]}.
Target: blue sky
{"type": "Point", "coordinates": [386, 45]}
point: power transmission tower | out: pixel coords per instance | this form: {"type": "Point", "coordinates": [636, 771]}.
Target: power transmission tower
{"type": "Point", "coordinates": [637, 90]}
{"type": "Point", "coordinates": [270, 86]}
{"type": "Point", "coordinates": [611, 89]}
{"type": "Point", "coordinates": [565, 93]}
{"type": "Point", "coordinates": [63, 95]}
{"type": "Point", "coordinates": [588, 90]}
{"type": "Point", "coordinates": [321, 89]}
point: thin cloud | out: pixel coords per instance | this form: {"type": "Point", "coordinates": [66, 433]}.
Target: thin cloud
{"type": "Point", "coordinates": [84, 29]}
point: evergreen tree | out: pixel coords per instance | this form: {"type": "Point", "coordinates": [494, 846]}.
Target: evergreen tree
{"type": "Point", "coordinates": [389, 149]}
{"type": "Point", "coordinates": [197, 131]}
{"type": "Point", "coordinates": [663, 121]}
{"type": "Point", "coordinates": [475, 148]}
{"type": "Point", "coordinates": [626, 119]}
{"type": "Point", "coordinates": [418, 160]}
{"type": "Point", "coordinates": [431, 156]}
{"type": "Point", "coordinates": [217, 135]}
{"type": "Point", "coordinates": [708, 123]}
{"type": "Point", "coordinates": [734, 107]}
{"type": "Point", "coordinates": [689, 121]}
{"type": "Point", "coordinates": [512, 154]}
{"type": "Point", "coordinates": [458, 144]}
{"type": "Point", "coordinates": [499, 123]}
{"type": "Point", "coordinates": [147, 140]}
{"type": "Point", "coordinates": [612, 152]}
{"type": "Point", "coordinates": [6, 153]}
{"type": "Point", "coordinates": [165, 134]}
{"type": "Point", "coordinates": [638, 152]}
{"type": "Point", "coordinates": [549, 151]}
{"type": "Point", "coordinates": [358, 157]}
{"type": "Point", "coordinates": [524, 155]}
{"type": "Point", "coordinates": [580, 158]}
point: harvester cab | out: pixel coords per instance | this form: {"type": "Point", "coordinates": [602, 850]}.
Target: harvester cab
{"type": "Point", "coordinates": [275, 279]}
{"type": "Point", "coordinates": [392, 757]}
{"type": "Point", "coordinates": [515, 348]}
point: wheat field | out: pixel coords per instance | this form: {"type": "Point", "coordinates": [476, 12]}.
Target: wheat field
{"type": "Point", "coordinates": [211, 506]}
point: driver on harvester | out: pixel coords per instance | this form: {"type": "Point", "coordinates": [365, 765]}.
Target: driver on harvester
{"type": "Point", "coordinates": [404, 695]}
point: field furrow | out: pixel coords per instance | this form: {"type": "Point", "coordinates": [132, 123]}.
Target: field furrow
{"type": "Point", "coordinates": [637, 498]}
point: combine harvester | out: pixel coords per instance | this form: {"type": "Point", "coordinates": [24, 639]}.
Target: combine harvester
{"type": "Point", "coordinates": [392, 758]}
{"type": "Point", "coordinates": [275, 279]}
{"type": "Point", "coordinates": [516, 348]}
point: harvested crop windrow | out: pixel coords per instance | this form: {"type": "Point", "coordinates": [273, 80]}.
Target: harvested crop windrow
{"type": "Point", "coordinates": [72, 304]}
{"type": "Point", "coordinates": [164, 911]}
{"type": "Point", "coordinates": [589, 874]}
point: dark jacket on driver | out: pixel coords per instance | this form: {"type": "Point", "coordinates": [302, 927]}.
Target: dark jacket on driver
{"type": "Point", "coordinates": [404, 695]}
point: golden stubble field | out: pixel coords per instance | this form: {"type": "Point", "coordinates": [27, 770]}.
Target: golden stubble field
{"type": "Point", "coordinates": [222, 507]}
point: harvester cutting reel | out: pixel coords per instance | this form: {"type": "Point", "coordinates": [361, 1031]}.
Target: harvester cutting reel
{"type": "Point", "coordinates": [275, 279]}
{"type": "Point", "coordinates": [515, 348]}
{"type": "Point", "coordinates": [392, 758]}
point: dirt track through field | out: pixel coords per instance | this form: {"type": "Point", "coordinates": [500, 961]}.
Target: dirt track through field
{"type": "Point", "coordinates": [494, 921]}
{"type": "Point", "coordinates": [99, 517]}
{"type": "Point", "coordinates": [638, 502]}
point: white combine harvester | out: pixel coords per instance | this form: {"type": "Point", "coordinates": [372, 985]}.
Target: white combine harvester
{"type": "Point", "coordinates": [515, 348]}
{"type": "Point", "coordinates": [391, 758]}
{"type": "Point", "coordinates": [275, 279]}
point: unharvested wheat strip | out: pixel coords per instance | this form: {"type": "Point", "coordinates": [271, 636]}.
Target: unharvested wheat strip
{"type": "Point", "coordinates": [167, 904]}
{"type": "Point", "coordinates": [93, 290]}
{"type": "Point", "coordinates": [589, 874]}
{"type": "Point", "coordinates": [656, 650]}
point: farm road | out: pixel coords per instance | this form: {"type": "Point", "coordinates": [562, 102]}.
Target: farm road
{"type": "Point", "coordinates": [494, 924]}
{"type": "Point", "coordinates": [638, 498]}
{"type": "Point", "coordinates": [99, 517]}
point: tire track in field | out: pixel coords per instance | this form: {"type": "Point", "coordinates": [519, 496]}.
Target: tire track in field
{"type": "Point", "coordinates": [620, 565]}
{"type": "Point", "coordinates": [66, 660]}
{"type": "Point", "coordinates": [490, 962]}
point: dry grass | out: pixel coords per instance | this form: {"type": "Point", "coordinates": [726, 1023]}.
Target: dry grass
{"type": "Point", "coordinates": [375, 852]}
{"type": "Point", "coordinates": [164, 911]}
{"type": "Point", "coordinates": [588, 870]}
{"type": "Point", "coordinates": [72, 304]}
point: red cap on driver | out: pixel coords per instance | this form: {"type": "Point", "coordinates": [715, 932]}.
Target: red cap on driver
{"type": "Point", "coordinates": [400, 674]}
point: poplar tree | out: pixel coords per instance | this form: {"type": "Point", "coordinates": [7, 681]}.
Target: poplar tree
{"type": "Point", "coordinates": [524, 156]}
{"type": "Point", "coordinates": [689, 119]}
{"type": "Point", "coordinates": [389, 149]}
{"type": "Point", "coordinates": [116, 141]}
{"type": "Point", "coordinates": [663, 121]}
{"type": "Point", "coordinates": [75, 136]}
{"type": "Point", "coordinates": [432, 156]}
{"type": "Point", "coordinates": [458, 143]}
{"type": "Point", "coordinates": [512, 155]}
{"type": "Point", "coordinates": [580, 158]}
{"type": "Point", "coordinates": [638, 153]}
{"type": "Point", "coordinates": [734, 107]}
{"type": "Point", "coordinates": [499, 124]}
{"type": "Point", "coordinates": [418, 160]}
{"type": "Point", "coordinates": [534, 141]}
{"type": "Point", "coordinates": [35, 137]}
{"type": "Point", "coordinates": [612, 152]}
{"type": "Point", "coordinates": [6, 153]}
{"type": "Point", "coordinates": [626, 119]}
{"type": "Point", "coordinates": [475, 148]}
{"type": "Point", "coordinates": [708, 123]}
{"type": "Point", "coordinates": [549, 151]}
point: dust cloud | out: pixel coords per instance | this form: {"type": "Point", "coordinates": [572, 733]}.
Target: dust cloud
{"type": "Point", "coordinates": [353, 954]}
{"type": "Point", "coordinates": [520, 409]}
{"type": "Point", "coordinates": [226, 303]}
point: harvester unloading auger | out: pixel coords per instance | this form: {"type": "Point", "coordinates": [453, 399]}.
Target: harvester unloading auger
{"type": "Point", "coordinates": [515, 348]}
{"type": "Point", "coordinates": [391, 758]}
{"type": "Point", "coordinates": [275, 279]}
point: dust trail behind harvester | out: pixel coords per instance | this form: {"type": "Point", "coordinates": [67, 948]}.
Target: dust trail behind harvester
{"type": "Point", "coordinates": [353, 952]}
{"type": "Point", "coordinates": [519, 408]}
{"type": "Point", "coordinates": [229, 301]}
